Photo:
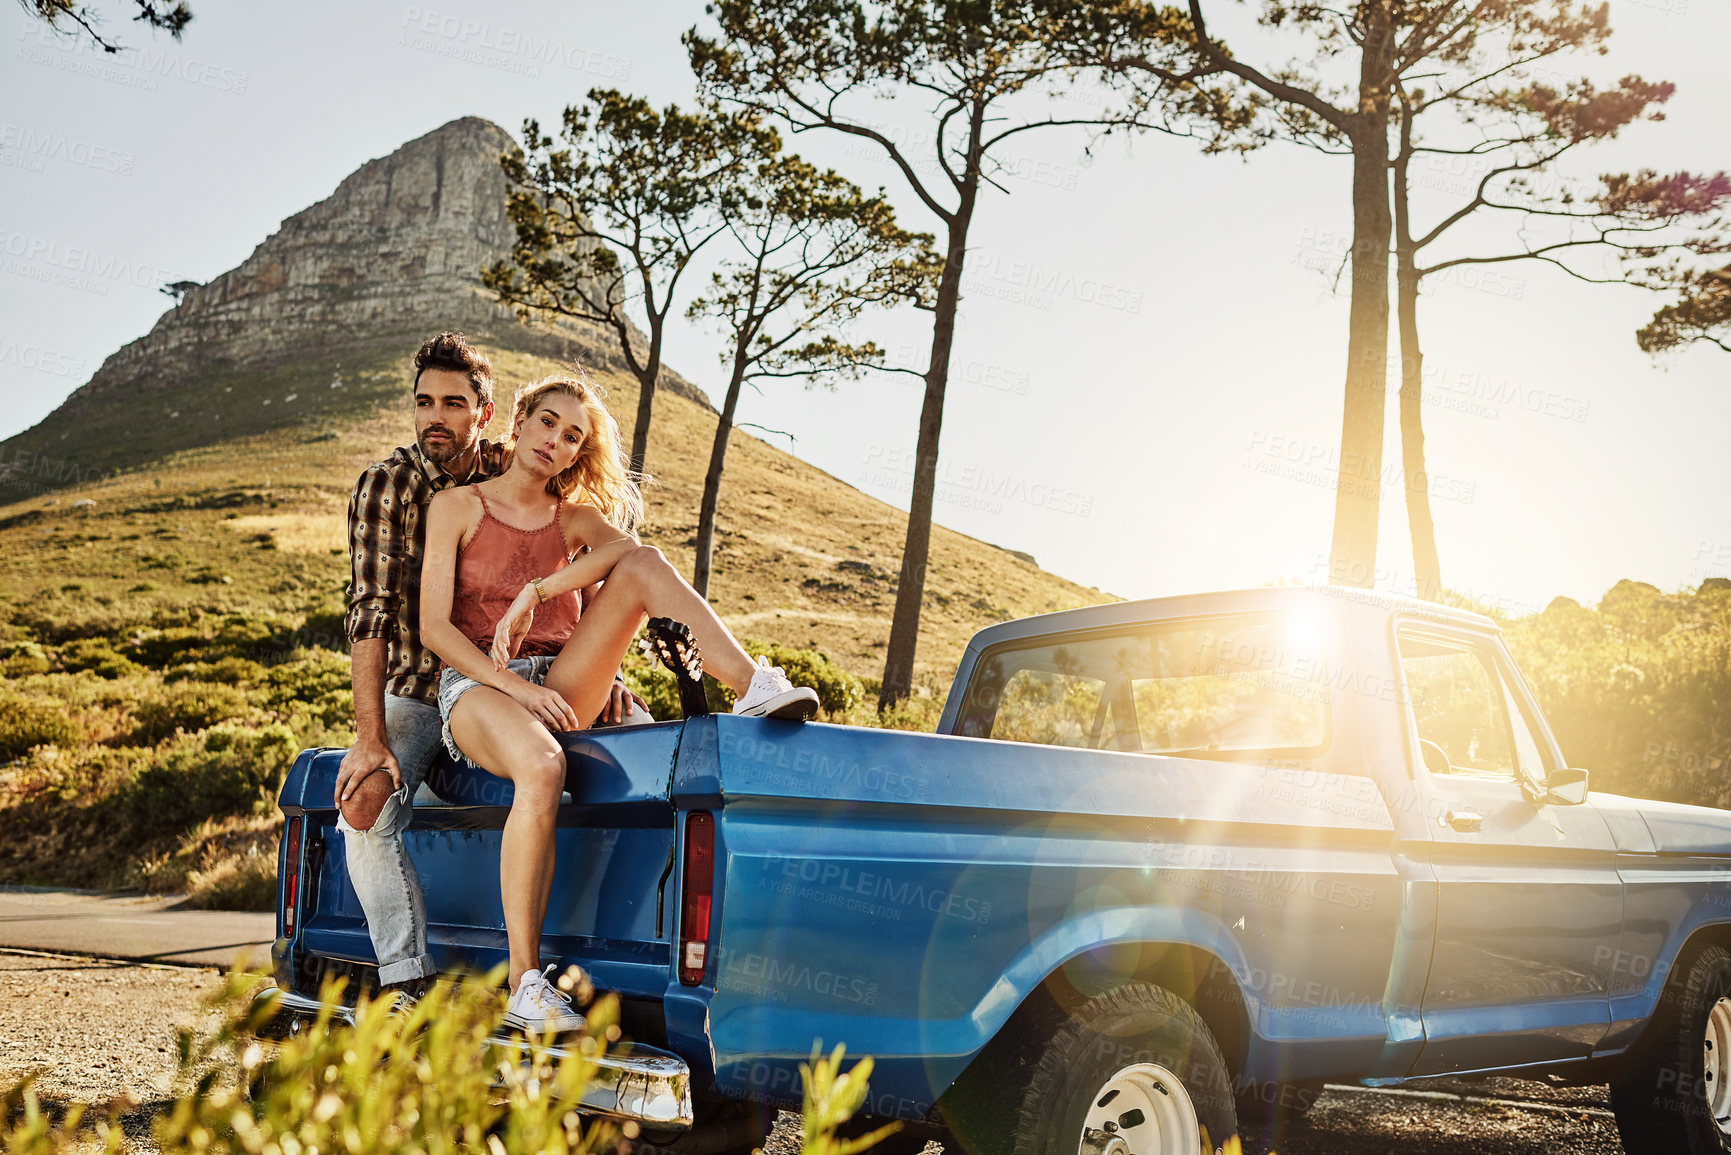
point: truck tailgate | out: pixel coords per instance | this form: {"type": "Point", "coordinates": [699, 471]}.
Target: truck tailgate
{"type": "Point", "coordinates": [611, 877]}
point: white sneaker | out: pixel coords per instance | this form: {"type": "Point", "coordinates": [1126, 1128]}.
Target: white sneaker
{"type": "Point", "coordinates": [771, 695]}
{"type": "Point", "coordinates": [539, 1005]}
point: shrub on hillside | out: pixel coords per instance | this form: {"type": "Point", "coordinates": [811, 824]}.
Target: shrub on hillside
{"type": "Point", "coordinates": [54, 617]}
{"type": "Point", "coordinates": [224, 770]}
{"type": "Point", "coordinates": [21, 657]}
{"type": "Point", "coordinates": [161, 648]}
{"type": "Point", "coordinates": [316, 684]}
{"type": "Point", "coordinates": [838, 692]}
{"type": "Point", "coordinates": [230, 671]}
{"type": "Point", "coordinates": [99, 656]}
{"type": "Point", "coordinates": [188, 706]}
{"type": "Point", "coordinates": [1637, 690]}
{"type": "Point", "coordinates": [26, 723]}
{"type": "Point", "coordinates": [655, 685]}
{"type": "Point", "coordinates": [239, 881]}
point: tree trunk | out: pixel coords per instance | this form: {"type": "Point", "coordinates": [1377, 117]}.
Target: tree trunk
{"type": "Point", "coordinates": [712, 479]}
{"type": "Point", "coordinates": [1358, 483]}
{"type": "Point", "coordinates": [910, 590]}
{"type": "Point", "coordinates": [640, 431]}
{"type": "Point", "coordinates": [645, 406]}
{"type": "Point", "coordinates": [1427, 569]}
{"type": "Point", "coordinates": [647, 375]}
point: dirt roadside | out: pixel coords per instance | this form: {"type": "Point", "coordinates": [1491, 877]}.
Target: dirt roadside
{"type": "Point", "coordinates": [99, 1029]}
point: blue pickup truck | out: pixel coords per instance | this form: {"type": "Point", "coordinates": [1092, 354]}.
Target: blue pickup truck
{"type": "Point", "coordinates": [1166, 868]}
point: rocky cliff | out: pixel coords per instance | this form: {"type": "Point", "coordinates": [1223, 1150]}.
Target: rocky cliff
{"type": "Point", "coordinates": [352, 283]}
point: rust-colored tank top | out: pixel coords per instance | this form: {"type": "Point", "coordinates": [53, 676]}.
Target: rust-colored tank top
{"type": "Point", "coordinates": [493, 569]}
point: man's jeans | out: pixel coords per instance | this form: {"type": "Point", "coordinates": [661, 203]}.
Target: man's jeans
{"type": "Point", "coordinates": [384, 879]}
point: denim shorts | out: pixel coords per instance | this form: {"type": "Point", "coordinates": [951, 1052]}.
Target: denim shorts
{"type": "Point", "coordinates": [453, 685]}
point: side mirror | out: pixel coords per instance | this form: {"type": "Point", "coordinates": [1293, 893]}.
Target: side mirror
{"type": "Point", "coordinates": [1568, 786]}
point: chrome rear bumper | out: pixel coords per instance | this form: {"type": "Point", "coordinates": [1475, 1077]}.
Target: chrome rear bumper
{"type": "Point", "coordinates": [648, 1085]}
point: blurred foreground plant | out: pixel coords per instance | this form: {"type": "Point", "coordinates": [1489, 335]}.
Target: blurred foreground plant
{"type": "Point", "coordinates": [424, 1081]}
{"type": "Point", "coordinates": [831, 1098]}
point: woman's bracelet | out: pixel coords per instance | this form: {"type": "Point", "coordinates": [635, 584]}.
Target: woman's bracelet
{"type": "Point", "coordinates": [540, 596]}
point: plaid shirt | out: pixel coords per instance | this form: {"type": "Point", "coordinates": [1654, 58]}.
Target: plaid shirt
{"type": "Point", "coordinates": [387, 540]}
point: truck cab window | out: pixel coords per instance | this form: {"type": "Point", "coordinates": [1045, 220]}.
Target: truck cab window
{"type": "Point", "coordinates": [1457, 704]}
{"type": "Point", "coordinates": [1222, 688]}
{"type": "Point", "coordinates": [1050, 708]}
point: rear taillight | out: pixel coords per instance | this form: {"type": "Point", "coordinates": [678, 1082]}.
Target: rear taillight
{"type": "Point", "coordinates": [291, 875]}
{"type": "Point", "coordinates": [698, 887]}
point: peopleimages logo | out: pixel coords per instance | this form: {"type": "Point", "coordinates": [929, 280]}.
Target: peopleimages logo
{"type": "Point", "coordinates": [1028, 283]}
{"type": "Point", "coordinates": [29, 356]}
{"type": "Point", "coordinates": [73, 266]}
{"type": "Point", "coordinates": [139, 67]}
{"type": "Point", "coordinates": [22, 147]}
{"type": "Point", "coordinates": [513, 49]}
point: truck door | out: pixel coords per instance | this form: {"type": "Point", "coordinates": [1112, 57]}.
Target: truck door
{"type": "Point", "coordinates": [1528, 891]}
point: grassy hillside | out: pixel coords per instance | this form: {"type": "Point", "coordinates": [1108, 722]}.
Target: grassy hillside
{"type": "Point", "coordinates": [801, 557]}
{"type": "Point", "coordinates": [170, 635]}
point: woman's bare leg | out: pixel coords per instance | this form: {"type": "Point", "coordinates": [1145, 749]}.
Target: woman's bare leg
{"type": "Point", "coordinates": [509, 742]}
{"type": "Point", "coordinates": [641, 585]}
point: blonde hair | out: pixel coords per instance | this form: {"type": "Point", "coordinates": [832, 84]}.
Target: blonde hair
{"type": "Point", "coordinates": [602, 474]}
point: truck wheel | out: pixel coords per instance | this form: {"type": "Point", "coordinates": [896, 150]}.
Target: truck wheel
{"type": "Point", "coordinates": [1131, 1072]}
{"type": "Point", "coordinates": [1674, 1095]}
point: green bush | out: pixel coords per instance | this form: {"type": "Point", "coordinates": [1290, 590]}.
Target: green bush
{"type": "Point", "coordinates": [230, 671]}
{"type": "Point", "coordinates": [99, 657]}
{"type": "Point", "coordinates": [20, 658]}
{"type": "Point", "coordinates": [838, 692]}
{"type": "Point", "coordinates": [655, 685]}
{"type": "Point", "coordinates": [245, 881]}
{"type": "Point", "coordinates": [1637, 689]}
{"type": "Point", "coordinates": [25, 723]}
{"type": "Point", "coordinates": [225, 770]}
{"type": "Point", "coordinates": [161, 648]}
{"type": "Point", "coordinates": [189, 706]}
{"type": "Point", "coordinates": [316, 685]}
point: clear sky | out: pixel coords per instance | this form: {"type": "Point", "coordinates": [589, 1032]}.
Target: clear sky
{"type": "Point", "coordinates": [1147, 383]}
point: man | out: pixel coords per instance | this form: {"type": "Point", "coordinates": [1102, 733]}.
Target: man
{"type": "Point", "coordinates": [395, 676]}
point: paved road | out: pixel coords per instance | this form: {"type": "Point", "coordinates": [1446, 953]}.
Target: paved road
{"type": "Point", "coordinates": [128, 926]}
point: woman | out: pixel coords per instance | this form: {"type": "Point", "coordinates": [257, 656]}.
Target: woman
{"type": "Point", "coordinates": [499, 606]}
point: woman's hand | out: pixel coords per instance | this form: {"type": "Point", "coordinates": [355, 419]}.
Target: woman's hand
{"type": "Point", "coordinates": [547, 706]}
{"type": "Point", "coordinates": [514, 627]}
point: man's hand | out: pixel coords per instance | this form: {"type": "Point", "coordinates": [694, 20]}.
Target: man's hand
{"type": "Point", "coordinates": [620, 703]}
{"type": "Point", "coordinates": [548, 706]}
{"type": "Point", "coordinates": [369, 753]}
{"type": "Point", "coordinates": [514, 627]}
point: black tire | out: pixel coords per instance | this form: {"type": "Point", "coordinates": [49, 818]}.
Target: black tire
{"type": "Point", "coordinates": [1660, 1096]}
{"type": "Point", "coordinates": [1137, 1023]}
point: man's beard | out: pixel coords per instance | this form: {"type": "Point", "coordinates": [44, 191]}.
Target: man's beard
{"type": "Point", "coordinates": [442, 450]}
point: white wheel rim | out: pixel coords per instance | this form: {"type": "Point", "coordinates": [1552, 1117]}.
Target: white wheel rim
{"type": "Point", "coordinates": [1145, 1110]}
{"type": "Point", "coordinates": [1716, 1068]}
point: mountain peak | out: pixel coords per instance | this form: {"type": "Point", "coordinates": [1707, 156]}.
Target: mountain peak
{"type": "Point", "coordinates": [391, 257]}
